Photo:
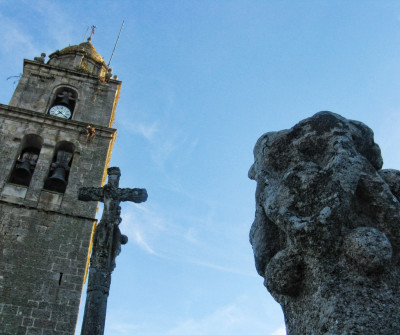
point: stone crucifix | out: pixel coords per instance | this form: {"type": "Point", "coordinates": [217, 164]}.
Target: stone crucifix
{"type": "Point", "coordinates": [107, 242]}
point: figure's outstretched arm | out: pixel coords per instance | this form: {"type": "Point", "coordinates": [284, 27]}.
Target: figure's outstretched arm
{"type": "Point", "coordinates": [133, 194]}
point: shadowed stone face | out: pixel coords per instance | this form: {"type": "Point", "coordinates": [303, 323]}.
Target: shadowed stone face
{"type": "Point", "coordinates": [326, 234]}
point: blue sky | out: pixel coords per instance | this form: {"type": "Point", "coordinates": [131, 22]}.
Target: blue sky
{"type": "Point", "coordinates": [202, 80]}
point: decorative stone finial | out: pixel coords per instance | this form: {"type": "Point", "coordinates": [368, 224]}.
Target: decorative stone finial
{"type": "Point", "coordinates": [326, 234]}
{"type": "Point", "coordinates": [108, 75]}
{"type": "Point", "coordinates": [41, 58]}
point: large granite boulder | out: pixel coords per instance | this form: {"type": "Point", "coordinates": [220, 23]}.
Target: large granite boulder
{"type": "Point", "coordinates": [326, 234]}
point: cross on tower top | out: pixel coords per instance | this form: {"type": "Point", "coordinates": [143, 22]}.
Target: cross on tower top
{"type": "Point", "coordinates": [91, 32]}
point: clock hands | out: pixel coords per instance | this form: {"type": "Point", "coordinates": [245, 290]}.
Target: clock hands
{"type": "Point", "coordinates": [60, 111]}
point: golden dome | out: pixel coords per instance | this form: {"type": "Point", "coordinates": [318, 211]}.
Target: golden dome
{"type": "Point", "coordinates": [82, 57]}
{"type": "Point", "coordinates": [85, 47]}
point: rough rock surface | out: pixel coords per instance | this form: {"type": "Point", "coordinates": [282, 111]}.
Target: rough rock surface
{"type": "Point", "coordinates": [326, 234]}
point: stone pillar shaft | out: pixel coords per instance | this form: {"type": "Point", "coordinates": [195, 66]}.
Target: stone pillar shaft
{"type": "Point", "coordinates": [96, 302]}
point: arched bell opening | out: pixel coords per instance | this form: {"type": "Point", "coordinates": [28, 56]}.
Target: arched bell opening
{"type": "Point", "coordinates": [59, 169]}
{"type": "Point", "coordinates": [26, 161]}
{"type": "Point", "coordinates": [64, 101]}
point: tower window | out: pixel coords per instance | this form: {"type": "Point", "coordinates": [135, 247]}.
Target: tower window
{"type": "Point", "coordinates": [59, 168]}
{"type": "Point", "coordinates": [64, 103]}
{"type": "Point", "coordinates": [26, 161]}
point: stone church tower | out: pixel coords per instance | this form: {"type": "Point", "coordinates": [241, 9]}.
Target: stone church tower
{"type": "Point", "coordinates": [55, 137]}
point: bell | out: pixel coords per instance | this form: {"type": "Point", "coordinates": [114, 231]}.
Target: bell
{"type": "Point", "coordinates": [22, 174]}
{"type": "Point", "coordinates": [57, 181]}
{"type": "Point", "coordinates": [64, 99]}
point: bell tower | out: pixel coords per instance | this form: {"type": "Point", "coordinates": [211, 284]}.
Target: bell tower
{"type": "Point", "coordinates": [56, 136]}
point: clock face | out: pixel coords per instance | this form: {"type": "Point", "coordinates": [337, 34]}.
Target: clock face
{"type": "Point", "coordinates": [60, 111]}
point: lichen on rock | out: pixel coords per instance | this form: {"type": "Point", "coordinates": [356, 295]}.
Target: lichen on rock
{"type": "Point", "coordinates": [326, 234]}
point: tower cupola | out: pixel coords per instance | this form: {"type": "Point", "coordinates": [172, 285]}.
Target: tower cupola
{"type": "Point", "coordinates": [82, 57]}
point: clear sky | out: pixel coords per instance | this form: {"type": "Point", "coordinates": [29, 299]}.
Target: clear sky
{"type": "Point", "coordinates": [202, 80]}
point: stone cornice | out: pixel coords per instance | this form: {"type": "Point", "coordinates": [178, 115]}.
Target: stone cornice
{"type": "Point", "coordinates": [69, 71]}
{"type": "Point", "coordinates": [27, 115]}
{"type": "Point", "coordinates": [48, 211]}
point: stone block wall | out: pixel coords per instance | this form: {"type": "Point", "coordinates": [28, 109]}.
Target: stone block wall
{"type": "Point", "coordinates": [42, 266]}
{"type": "Point", "coordinates": [45, 236]}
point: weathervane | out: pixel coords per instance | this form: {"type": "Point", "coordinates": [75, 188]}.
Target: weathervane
{"type": "Point", "coordinates": [92, 31]}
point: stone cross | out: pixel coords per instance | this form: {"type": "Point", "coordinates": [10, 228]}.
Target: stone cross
{"type": "Point", "coordinates": [107, 242]}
